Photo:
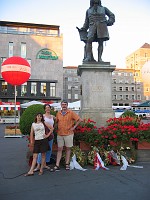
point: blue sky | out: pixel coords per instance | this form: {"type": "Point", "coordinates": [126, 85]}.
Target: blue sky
{"type": "Point", "coordinates": [130, 31]}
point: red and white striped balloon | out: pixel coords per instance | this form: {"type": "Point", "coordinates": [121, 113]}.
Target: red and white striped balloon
{"type": "Point", "coordinates": [15, 70]}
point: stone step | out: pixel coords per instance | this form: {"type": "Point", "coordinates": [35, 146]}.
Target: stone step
{"type": "Point", "coordinates": [143, 155]}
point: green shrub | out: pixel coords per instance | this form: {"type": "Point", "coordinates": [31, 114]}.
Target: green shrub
{"type": "Point", "coordinates": [129, 113]}
{"type": "Point", "coordinates": [28, 116]}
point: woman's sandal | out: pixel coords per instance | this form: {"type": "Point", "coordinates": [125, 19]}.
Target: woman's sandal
{"type": "Point", "coordinates": [67, 167]}
{"type": "Point", "coordinates": [28, 175]}
{"type": "Point", "coordinates": [46, 167]}
{"type": "Point", "coordinates": [40, 173]}
{"type": "Point", "coordinates": [56, 168]}
{"type": "Point", "coordinates": [36, 169]}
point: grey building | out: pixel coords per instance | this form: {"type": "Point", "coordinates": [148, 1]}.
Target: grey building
{"type": "Point", "coordinates": [125, 89]}
{"type": "Point", "coordinates": [42, 46]}
{"type": "Point", "coordinates": [71, 84]}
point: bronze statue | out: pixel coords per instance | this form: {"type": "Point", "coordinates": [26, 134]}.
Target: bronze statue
{"type": "Point", "coordinates": [95, 29]}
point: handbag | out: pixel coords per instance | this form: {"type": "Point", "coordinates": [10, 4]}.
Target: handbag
{"type": "Point", "coordinates": [47, 130]}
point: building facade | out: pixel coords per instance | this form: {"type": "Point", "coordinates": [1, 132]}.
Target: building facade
{"type": "Point", "coordinates": [129, 86]}
{"type": "Point", "coordinates": [137, 61]}
{"type": "Point", "coordinates": [42, 46]}
{"type": "Point", "coordinates": [71, 84]}
{"type": "Point", "coordinates": [125, 90]}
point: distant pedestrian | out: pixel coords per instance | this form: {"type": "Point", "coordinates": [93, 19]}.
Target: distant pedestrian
{"type": "Point", "coordinates": [39, 139]}
{"type": "Point", "coordinates": [67, 120]}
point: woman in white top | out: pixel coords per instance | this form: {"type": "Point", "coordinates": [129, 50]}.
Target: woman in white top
{"type": "Point", "coordinates": [49, 119]}
{"type": "Point", "coordinates": [39, 139]}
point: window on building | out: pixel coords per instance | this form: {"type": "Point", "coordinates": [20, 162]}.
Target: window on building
{"type": "Point", "coordinates": [138, 82]}
{"type": "Point", "coordinates": [69, 96]}
{"type": "Point", "coordinates": [115, 104]}
{"type": "Point", "coordinates": [33, 88]}
{"type": "Point", "coordinates": [138, 88]}
{"type": "Point", "coordinates": [12, 30]}
{"type": "Point", "coordinates": [69, 71]}
{"type": "Point", "coordinates": [24, 89]}
{"type": "Point", "coordinates": [127, 97]}
{"type": "Point", "coordinates": [121, 97]}
{"type": "Point", "coordinates": [136, 74]}
{"type": "Point", "coordinates": [32, 31]}
{"type": "Point", "coordinates": [69, 87]}
{"type": "Point", "coordinates": [4, 88]}
{"type": "Point", "coordinates": [43, 89]}
{"type": "Point", "coordinates": [70, 79]}
{"type": "Point", "coordinates": [114, 97]}
{"type": "Point", "coordinates": [120, 89]}
{"type": "Point", "coordinates": [114, 81]}
{"type": "Point", "coordinates": [76, 79]}
{"type": "Point", "coordinates": [114, 89]}
{"type": "Point", "coordinates": [138, 97]}
{"type": "Point", "coordinates": [3, 29]}
{"type": "Point", "coordinates": [126, 88]}
{"type": "Point", "coordinates": [76, 96]}
{"type": "Point", "coordinates": [22, 30]}
{"type": "Point", "coordinates": [52, 32]}
{"type": "Point", "coordinates": [2, 60]}
{"type": "Point", "coordinates": [10, 49]}
{"type": "Point", "coordinates": [132, 89]}
{"type": "Point", "coordinates": [23, 50]}
{"type": "Point", "coordinates": [52, 89]}
{"type": "Point", "coordinates": [133, 97]}
{"type": "Point", "coordinates": [41, 32]}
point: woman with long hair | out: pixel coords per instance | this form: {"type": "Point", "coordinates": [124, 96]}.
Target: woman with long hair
{"type": "Point", "coordinates": [49, 119]}
{"type": "Point", "coordinates": [39, 140]}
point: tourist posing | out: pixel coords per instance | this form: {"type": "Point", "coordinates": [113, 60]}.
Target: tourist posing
{"type": "Point", "coordinates": [49, 119]}
{"type": "Point", "coordinates": [39, 139]}
{"type": "Point", "coordinates": [67, 121]}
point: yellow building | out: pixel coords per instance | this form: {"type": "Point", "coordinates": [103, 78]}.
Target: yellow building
{"type": "Point", "coordinates": [136, 61]}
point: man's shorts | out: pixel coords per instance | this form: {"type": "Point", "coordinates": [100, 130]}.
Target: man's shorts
{"type": "Point", "coordinates": [66, 140]}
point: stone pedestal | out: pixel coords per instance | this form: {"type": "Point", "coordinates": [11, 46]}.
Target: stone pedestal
{"type": "Point", "coordinates": [96, 101]}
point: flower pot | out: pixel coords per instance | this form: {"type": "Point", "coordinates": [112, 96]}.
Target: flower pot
{"type": "Point", "coordinates": [12, 131]}
{"type": "Point", "coordinates": [144, 145]}
{"type": "Point", "coordinates": [85, 146]}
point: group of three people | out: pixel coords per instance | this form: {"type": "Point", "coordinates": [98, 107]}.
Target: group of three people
{"type": "Point", "coordinates": [66, 120]}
